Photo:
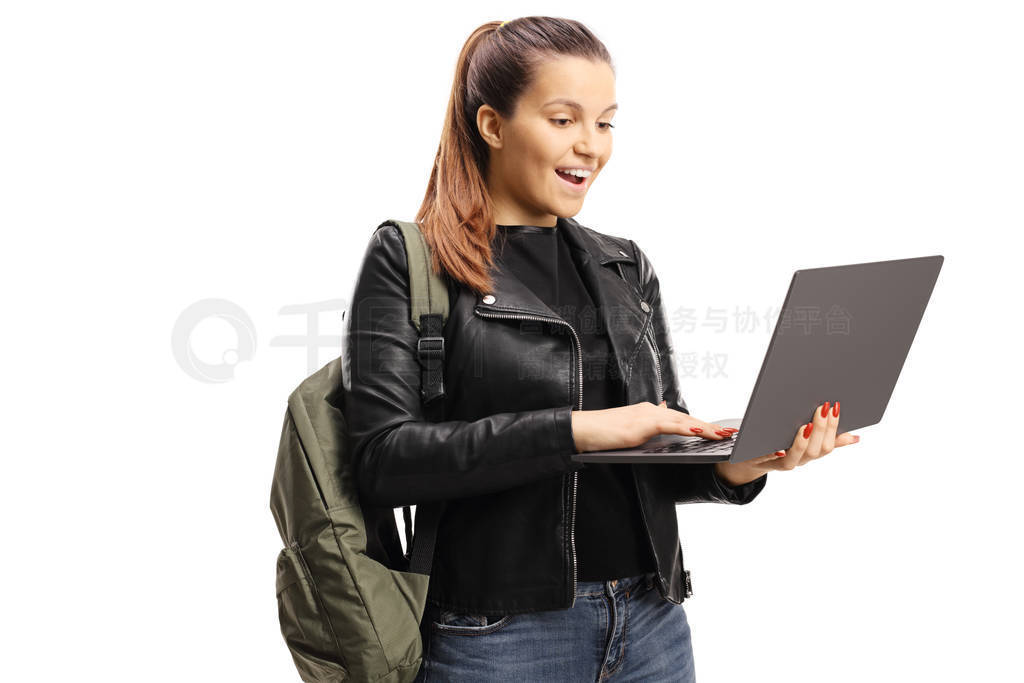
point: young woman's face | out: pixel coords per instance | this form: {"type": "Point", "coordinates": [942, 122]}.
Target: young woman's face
{"type": "Point", "coordinates": [562, 122]}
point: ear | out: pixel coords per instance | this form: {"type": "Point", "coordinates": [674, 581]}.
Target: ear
{"type": "Point", "coordinates": [488, 123]}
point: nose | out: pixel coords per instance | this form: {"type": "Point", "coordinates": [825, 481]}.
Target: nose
{"type": "Point", "coordinates": [583, 145]}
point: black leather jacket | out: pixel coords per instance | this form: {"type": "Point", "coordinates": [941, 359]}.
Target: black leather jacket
{"type": "Point", "coordinates": [502, 456]}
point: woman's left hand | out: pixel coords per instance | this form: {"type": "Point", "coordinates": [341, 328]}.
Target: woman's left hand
{"type": "Point", "coordinates": [813, 440]}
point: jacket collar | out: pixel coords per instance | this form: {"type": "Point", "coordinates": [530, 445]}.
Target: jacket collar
{"type": "Point", "coordinates": [619, 306]}
{"type": "Point", "coordinates": [592, 252]}
{"type": "Point", "coordinates": [596, 245]}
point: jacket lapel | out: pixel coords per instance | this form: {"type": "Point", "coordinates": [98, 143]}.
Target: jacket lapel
{"type": "Point", "coordinates": [617, 301]}
{"type": "Point", "coordinates": [512, 295]}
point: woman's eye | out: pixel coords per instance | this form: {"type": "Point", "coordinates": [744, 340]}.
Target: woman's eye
{"type": "Point", "coordinates": [607, 126]}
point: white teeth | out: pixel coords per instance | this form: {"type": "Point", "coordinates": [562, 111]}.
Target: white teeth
{"type": "Point", "coordinates": [580, 172]}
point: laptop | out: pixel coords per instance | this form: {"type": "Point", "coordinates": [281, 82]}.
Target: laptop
{"type": "Point", "coordinates": [843, 335]}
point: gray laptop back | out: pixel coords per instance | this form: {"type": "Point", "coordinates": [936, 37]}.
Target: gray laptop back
{"type": "Point", "coordinates": [843, 335]}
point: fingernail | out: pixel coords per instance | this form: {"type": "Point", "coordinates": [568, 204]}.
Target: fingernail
{"type": "Point", "coordinates": [835, 410]}
{"type": "Point", "coordinates": [856, 439]}
{"type": "Point", "coordinates": [721, 433]}
{"type": "Point", "coordinates": [780, 453]}
{"type": "Point", "coordinates": [807, 429]}
{"type": "Point", "coordinates": [697, 429]}
{"type": "Point", "coordinates": [730, 429]}
{"type": "Point", "coordinates": [824, 409]}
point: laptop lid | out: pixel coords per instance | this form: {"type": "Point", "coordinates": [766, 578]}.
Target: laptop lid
{"type": "Point", "coordinates": [843, 334]}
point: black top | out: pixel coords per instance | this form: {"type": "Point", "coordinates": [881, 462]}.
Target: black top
{"type": "Point", "coordinates": [610, 538]}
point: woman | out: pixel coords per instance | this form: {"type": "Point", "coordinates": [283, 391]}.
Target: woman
{"type": "Point", "coordinates": [556, 343]}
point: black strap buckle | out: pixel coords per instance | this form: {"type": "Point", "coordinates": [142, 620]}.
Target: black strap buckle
{"type": "Point", "coordinates": [434, 349]}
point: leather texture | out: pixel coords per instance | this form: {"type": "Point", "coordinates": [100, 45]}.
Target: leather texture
{"type": "Point", "coordinates": [502, 455]}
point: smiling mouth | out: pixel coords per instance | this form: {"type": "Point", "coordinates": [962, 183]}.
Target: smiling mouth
{"type": "Point", "coordinates": [575, 180]}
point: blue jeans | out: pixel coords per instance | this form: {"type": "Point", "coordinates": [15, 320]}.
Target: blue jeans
{"type": "Point", "coordinates": [621, 630]}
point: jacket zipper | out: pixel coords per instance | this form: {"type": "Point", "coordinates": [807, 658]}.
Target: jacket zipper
{"type": "Point", "coordinates": [643, 515]}
{"type": "Point", "coordinates": [575, 475]}
{"type": "Point", "coordinates": [657, 361]}
{"type": "Point", "coordinates": [650, 337]}
{"type": "Point", "coordinates": [657, 366]}
{"type": "Point", "coordinates": [636, 484]}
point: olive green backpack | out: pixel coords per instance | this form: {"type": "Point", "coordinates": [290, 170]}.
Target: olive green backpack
{"type": "Point", "coordinates": [350, 602]}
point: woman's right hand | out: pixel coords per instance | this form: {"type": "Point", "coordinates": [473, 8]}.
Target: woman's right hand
{"type": "Point", "coordinates": [632, 425]}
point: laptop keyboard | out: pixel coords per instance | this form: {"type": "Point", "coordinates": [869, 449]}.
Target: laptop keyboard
{"type": "Point", "coordinates": [702, 446]}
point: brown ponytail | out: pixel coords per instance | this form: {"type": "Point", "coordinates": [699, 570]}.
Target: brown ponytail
{"type": "Point", "coordinates": [494, 67]}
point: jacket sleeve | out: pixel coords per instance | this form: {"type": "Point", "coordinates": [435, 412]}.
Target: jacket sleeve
{"type": "Point", "coordinates": [400, 458]}
{"type": "Point", "coordinates": [697, 482]}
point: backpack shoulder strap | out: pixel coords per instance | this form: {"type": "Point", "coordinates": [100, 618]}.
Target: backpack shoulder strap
{"type": "Point", "coordinates": [429, 309]}
{"type": "Point", "coordinates": [428, 298]}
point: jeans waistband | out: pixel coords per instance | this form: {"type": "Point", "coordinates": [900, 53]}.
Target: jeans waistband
{"type": "Point", "coordinates": [614, 585]}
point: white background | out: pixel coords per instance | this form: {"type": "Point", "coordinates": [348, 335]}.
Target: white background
{"type": "Point", "coordinates": [157, 154]}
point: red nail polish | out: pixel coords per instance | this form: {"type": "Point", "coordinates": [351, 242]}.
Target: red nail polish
{"type": "Point", "coordinates": [697, 429]}
{"type": "Point", "coordinates": [824, 409]}
{"type": "Point", "coordinates": [780, 453]}
{"type": "Point", "coordinates": [835, 410]}
{"type": "Point", "coordinates": [730, 429]}
{"type": "Point", "coordinates": [721, 433]}
{"type": "Point", "coordinates": [807, 429]}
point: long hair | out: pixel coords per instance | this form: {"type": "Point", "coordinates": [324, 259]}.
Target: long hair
{"type": "Point", "coordinates": [495, 67]}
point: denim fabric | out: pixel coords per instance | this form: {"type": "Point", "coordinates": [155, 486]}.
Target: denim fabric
{"type": "Point", "coordinates": [620, 630]}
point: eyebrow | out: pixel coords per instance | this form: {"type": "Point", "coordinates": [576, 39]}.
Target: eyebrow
{"type": "Point", "coordinates": [576, 105]}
